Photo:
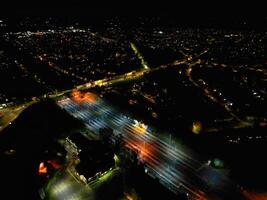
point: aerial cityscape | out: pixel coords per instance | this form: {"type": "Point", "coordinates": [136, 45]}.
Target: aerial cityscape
{"type": "Point", "coordinates": [132, 108]}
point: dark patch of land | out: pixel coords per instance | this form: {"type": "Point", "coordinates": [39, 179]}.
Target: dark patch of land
{"type": "Point", "coordinates": [30, 135]}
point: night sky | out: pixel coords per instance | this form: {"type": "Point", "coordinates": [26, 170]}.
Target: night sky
{"type": "Point", "coordinates": [220, 16]}
{"type": "Point", "coordinates": [226, 13]}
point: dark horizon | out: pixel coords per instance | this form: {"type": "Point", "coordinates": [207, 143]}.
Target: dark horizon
{"type": "Point", "coordinates": [204, 15]}
{"type": "Point", "coordinates": [230, 22]}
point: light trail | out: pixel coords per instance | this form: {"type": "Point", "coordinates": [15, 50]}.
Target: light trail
{"type": "Point", "coordinates": [137, 52]}
{"type": "Point", "coordinates": [146, 136]}
{"type": "Point", "coordinates": [174, 165]}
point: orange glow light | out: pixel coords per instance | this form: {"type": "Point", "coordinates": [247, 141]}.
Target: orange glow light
{"type": "Point", "coordinates": [42, 168]}
{"type": "Point", "coordinates": [90, 97]}
{"type": "Point", "coordinates": [128, 197]}
{"type": "Point", "coordinates": [80, 97]}
{"type": "Point", "coordinates": [140, 128]}
{"type": "Point", "coordinates": [254, 196]}
{"type": "Point", "coordinates": [54, 164]}
{"type": "Point", "coordinates": [146, 150]}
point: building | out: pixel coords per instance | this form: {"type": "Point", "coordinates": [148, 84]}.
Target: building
{"type": "Point", "coordinates": [95, 157]}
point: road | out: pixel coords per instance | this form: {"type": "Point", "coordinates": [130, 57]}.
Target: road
{"type": "Point", "coordinates": [9, 114]}
{"type": "Point", "coordinates": [176, 167]}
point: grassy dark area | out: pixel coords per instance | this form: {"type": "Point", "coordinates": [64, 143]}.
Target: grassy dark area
{"type": "Point", "coordinates": [245, 160]}
{"type": "Point", "coordinates": [33, 132]}
{"type": "Point", "coordinates": [147, 187]}
{"type": "Point", "coordinates": [111, 189]}
{"type": "Point", "coordinates": [159, 57]}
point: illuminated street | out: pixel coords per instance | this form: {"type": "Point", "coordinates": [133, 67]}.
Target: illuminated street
{"type": "Point", "coordinates": [7, 115]}
{"type": "Point", "coordinates": [173, 164]}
